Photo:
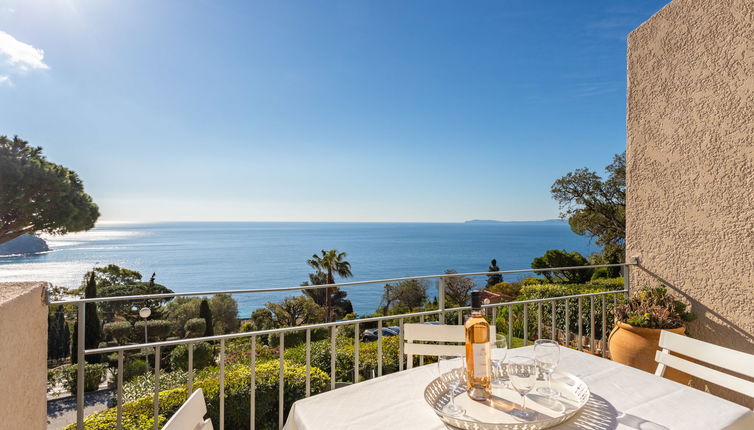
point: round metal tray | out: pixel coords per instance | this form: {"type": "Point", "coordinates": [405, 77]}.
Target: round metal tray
{"type": "Point", "coordinates": [503, 410]}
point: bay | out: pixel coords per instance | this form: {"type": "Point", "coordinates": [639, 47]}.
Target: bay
{"type": "Point", "coordinates": [194, 256]}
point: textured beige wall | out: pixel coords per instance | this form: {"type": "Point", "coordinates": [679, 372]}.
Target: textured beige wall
{"type": "Point", "coordinates": [23, 356]}
{"type": "Point", "coordinates": [690, 155]}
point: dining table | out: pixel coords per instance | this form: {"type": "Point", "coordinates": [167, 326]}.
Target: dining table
{"type": "Point", "coordinates": [621, 397]}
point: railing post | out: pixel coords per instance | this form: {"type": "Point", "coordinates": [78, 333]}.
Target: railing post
{"type": "Point", "coordinates": [281, 382]}
{"type": "Point", "coordinates": [526, 324]}
{"type": "Point", "coordinates": [580, 341]}
{"type": "Point", "coordinates": [253, 396]}
{"type": "Point", "coordinates": [119, 397]}
{"type": "Point", "coordinates": [156, 398]}
{"type": "Point", "coordinates": [308, 362]}
{"type": "Point", "coordinates": [222, 384]}
{"type": "Point", "coordinates": [604, 326]}
{"type": "Point", "coordinates": [356, 338]}
{"type": "Point", "coordinates": [626, 280]}
{"type": "Point", "coordinates": [333, 355]}
{"type": "Point", "coordinates": [400, 345]}
{"type": "Point", "coordinates": [80, 345]}
{"type": "Point", "coordinates": [510, 326]}
{"type": "Point", "coordinates": [190, 348]}
{"type": "Point", "coordinates": [379, 348]}
{"type": "Point", "coordinates": [441, 298]}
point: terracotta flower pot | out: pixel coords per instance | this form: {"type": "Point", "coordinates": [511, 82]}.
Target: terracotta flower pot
{"type": "Point", "coordinates": [636, 347]}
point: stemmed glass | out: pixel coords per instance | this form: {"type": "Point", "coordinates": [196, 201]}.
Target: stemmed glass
{"type": "Point", "coordinates": [547, 354]}
{"type": "Point", "coordinates": [522, 372]}
{"type": "Point", "coordinates": [499, 351]}
{"type": "Point", "coordinates": [451, 373]}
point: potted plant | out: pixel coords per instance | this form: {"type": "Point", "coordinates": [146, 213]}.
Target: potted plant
{"type": "Point", "coordinates": [638, 323]}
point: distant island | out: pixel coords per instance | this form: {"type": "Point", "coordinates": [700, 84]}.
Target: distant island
{"type": "Point", "coordinates": [24, 245]}
{"type": "Point", "coordinates": [492, 221]}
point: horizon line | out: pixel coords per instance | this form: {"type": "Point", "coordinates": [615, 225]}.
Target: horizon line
{"type": "Point", "coordinates": [471, 221]}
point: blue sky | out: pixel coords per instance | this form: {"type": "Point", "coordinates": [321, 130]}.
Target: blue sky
{"type": "Point", "coordinates": [318, 111]}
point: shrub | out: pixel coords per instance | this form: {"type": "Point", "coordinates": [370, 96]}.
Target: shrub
{"type": "Point", "coordinates": [238, 351]}
{"type": "Point", "coordinates": [224, 313]}
{"type": "Point", "coordinates": [298, 337]}
{"type": "Point", "coordinates": [532, 281]}
{"type": "Point", "coordinates": [180, 310]}
{"type": "Point", "coordinates": [106, 420]}
{"type": "Point", "coordinates": [120, 331]}
{"type": "Point", "coordinates": [561, 258]}
{"type": "Point", "coordinates": [195, 327]}
{"type": "Point", "coordinates": [93, 375]}
{"type": "Point", "coordinates": [143, 385]}
{"type": "Point", "coordinates": [506, 288]}
{"type": "Point", "coordinates": [653, 308]}
{"type": "Point", "coordinates": [600, 273]}
{"type": "Point", "coordinates": [137, 414]}
{"type": "Point", "coordinates": [156, 329]}
{"type": "Point", "coordinates": [53, 377]}
{"type": "Point", "coordinates": [246, 327]}
{"type": "Point", "coordinates": [344, 357]}
{"type": "Point", "coordinates": [607, 284]}
{"type": "Point", "coordinates": [133, 368]}
{"type": "Point", "coordinates": [543, 291]}
{"type": "Point", "coordinates": [204, 355]}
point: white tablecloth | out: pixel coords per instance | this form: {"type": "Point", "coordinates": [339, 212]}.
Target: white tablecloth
{"type": "Point", "coordinates": [622, 398]}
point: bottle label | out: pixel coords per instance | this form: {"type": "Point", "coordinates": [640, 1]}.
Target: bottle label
{"type": "Point", "coordinates": [481, 357]}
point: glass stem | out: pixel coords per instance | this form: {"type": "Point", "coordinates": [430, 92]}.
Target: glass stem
{"type": "Point", "coordinates": [523, 402]}
{"type": "Point", "coordinates": [549, 382]}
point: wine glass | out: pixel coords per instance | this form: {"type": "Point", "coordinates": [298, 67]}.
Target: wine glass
{"type": "Point", "coordinates": [547, 354]}
{"type": "Point", "coordinates": [451, 372]}
{"type": "Point", "coordinates": [499, 351]}
{"type": "Point", "coordinates": [522, 372]}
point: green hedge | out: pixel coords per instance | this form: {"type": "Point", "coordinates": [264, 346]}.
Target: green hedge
{"type": "Point", "coordinates": [93, 375]}
{"type": "Point", "coordinates": [204, 355]}
{"type": "Point", "coordinates": [143, 385]}
{"type": "Point", "coordinates": [138, 413]}
{"type": "Point", "coordinates": [156, 329]}
{"type": "Point", "coordinates": [543, 291]}
{"type": "Point", "coordinates": [120, 331]}
{"type": "Point", "coordinates": [344, 357]}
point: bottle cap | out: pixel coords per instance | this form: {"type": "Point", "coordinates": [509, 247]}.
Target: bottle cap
{"type": "Point", "coordinates": [476, 299]}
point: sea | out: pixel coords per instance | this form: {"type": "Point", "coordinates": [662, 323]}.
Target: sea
{"type": "Point", "coordinates": [210, 256]}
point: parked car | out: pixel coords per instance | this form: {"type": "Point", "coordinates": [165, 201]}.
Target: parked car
{"type": "Point", "coordinates": [370, 334]}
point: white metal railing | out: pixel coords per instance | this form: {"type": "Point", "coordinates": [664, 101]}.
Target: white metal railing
{"type": "Point", "coordinates": [442, 312]}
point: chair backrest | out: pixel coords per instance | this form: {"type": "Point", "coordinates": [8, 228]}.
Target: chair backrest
{"type": "Point", "coordinates": [190, 416]}
{"type": "Point", "coordinates": [725, 358]}
{"type": "Point", "coordinates": [454, 334]}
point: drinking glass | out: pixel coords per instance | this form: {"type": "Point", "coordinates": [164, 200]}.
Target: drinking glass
{"type": "Point", "coordinates": [499, 351]}
{"type": "Point", "coordinates": [547, 355]}
{"type": "Point", "coordinates": [522, 372]}
{"type": "Point", "coordinates": [451, 372]}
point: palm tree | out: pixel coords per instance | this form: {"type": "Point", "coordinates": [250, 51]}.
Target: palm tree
{"type": "Point", "coordinates": [330, 262]}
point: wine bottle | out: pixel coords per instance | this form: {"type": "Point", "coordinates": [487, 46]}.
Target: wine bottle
{"type": "Point", "coordinates": [478, 366]}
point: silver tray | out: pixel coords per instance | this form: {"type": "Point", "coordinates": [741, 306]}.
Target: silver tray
{"type": "Point", "coordinates": [503, 411]}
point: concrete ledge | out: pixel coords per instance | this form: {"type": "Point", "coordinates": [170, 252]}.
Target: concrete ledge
{"type": "Point", "coordinates": [23, 355]}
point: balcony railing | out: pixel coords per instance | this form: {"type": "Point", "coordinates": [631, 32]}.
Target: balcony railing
{"type": "Point", "coordinates": [528, 310]}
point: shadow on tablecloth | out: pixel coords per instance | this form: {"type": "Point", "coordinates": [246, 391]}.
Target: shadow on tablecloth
{"type": "Point", "coordinates": [599, 414]}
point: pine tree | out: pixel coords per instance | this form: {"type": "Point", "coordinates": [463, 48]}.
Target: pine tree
{"type": "Point", "coordinates": [496, 278]}
{"type": "Point", "coordinates": [206, 313]}
{"type": "Point", "coordinates": [58, 335]}
{"type": "Point", "coordinates": [92, 327]}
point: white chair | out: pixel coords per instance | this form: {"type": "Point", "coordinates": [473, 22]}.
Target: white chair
{"type": "Point", "coordinates": [725, 358]}
{"type": "Point", "coordinates": [435, 333]}
{"type": "Point", "coordinates": [190, 416]}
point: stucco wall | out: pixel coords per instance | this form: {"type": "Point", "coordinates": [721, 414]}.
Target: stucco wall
{"type": "Point", "coordinates": [23, 356]}
{"type": "Point", "coordinates": [690, 160]}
